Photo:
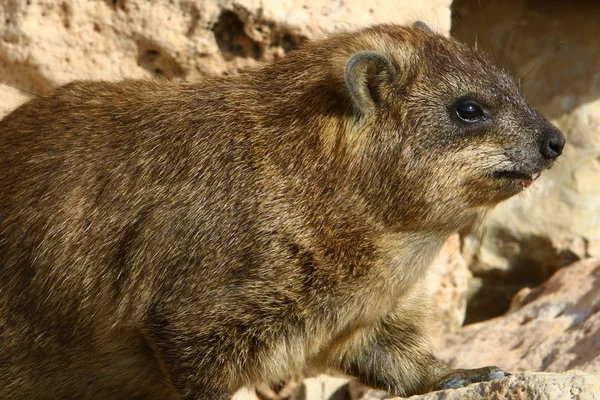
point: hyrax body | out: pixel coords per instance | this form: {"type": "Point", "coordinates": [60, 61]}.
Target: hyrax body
{"type": "Point", "coordinates": [173, 240]}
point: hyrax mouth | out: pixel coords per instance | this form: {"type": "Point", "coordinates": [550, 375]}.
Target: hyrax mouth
{"type": "Point", "coordinates": [519, 178]}
{"type": "Point", "coordinates": [516, 175]}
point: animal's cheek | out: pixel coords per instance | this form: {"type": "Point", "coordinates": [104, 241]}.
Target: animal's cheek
{"type": "Point", "coordinates": [467, 168]}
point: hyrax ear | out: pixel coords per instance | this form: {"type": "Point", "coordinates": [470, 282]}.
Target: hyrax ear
{"type": "Point", "coordinates": [365, 74]}
{"type": "Point", "coordinates": [422, 26]}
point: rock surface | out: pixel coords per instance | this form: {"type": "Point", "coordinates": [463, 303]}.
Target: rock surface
{"type": "Point", "coordinates": [528, 386]}
{"type": "Point", "coordinates": [448, 280]}
{"type": "Point", "coordinates": [555, 327]}
{"type": "Point", "coordinates": [44, 43]}
{"type": "Point", "coordinates": [553, 49]}
{"type": "Point", "coordinates": [525, 386]}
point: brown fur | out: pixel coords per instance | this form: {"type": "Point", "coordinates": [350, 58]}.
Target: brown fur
{"type": "Point", "coordinates": [176, 240]}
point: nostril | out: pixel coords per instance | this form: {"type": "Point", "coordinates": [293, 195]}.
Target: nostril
{"type": "Point", "coordinates": [557, 145]}
{"type": "Point", "coordinates": [553, 147]}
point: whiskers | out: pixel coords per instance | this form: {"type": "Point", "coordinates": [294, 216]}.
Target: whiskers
{"type": "Point", "coordinates": [492, 160]}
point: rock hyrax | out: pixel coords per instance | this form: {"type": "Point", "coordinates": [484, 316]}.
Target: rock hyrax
{"type": "Point", "coordinates": [182, 240]}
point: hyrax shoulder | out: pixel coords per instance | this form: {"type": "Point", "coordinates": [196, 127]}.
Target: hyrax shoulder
{"type": "Point", "coordinates": [174, 240]}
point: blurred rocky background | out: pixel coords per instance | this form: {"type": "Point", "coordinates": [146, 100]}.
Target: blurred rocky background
{"type": "Point", "coordinates": [525, 283]}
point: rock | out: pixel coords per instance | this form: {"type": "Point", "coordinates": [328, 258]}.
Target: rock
{"type": "Point", "coordinates": [555, 327]}
{"type": "Point", "coordinates": [44, 43]}
{"type": "Point", "coordinates": [244, 394]}
{"type": "Point", "coordinates": [527, 386]}
{"type": "Point", "coordinates": [321, 387]}
{"type": "Point", "coordinates": [554, 52]}
{"type": "Point", "coordinates": [324, 387]}
{"type": "Point", "coordinates": [448, 280]}
{"type": "Point", "coordinates": [10, 98]}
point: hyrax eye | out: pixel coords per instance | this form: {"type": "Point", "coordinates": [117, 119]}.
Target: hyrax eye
{"type": "Point", "coordinates": [469, 111]}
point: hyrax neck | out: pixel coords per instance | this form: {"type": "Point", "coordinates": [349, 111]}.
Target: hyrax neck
{"type": "Point", "coordinates": [307, 146]}
{"type": "Point", "coordinates": [407, 256]}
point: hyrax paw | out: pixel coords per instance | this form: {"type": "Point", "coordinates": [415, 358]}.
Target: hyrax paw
{"type": "Point", "coordinates": [463, 377]}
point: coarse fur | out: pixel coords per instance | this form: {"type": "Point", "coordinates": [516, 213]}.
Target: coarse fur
{"type": "Point", "coordinates": [183, 240]}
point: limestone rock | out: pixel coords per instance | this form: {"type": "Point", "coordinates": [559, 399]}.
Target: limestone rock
{"type": "Point", "coordinates": [528, 386]}
{"type": "Point", "coordinates": [44, 43]}
{"type": "Point", "coordinates": [322, 387]}
{"type": "Point", "coordinates": [525, 386]}
{"type": "Point", "coordinates": [448, 280]}
{"type": "Point", "coordinates": [552, 49]}
{"type": "Point", "coordinates": [244, 394]}
{"type": "Point", "coordinates": [555, 327]}
{"type": "Point", "coordinates": [10, 98]}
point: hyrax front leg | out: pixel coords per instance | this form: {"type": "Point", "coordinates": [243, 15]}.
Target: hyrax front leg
{"type": "Point", "coordinates": [396, 357]}
{"type": "Point", "coordinates": [188, 358]}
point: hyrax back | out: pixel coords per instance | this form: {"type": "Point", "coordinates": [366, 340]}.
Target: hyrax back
{"type": "Point", "coordinates": [172, 240]}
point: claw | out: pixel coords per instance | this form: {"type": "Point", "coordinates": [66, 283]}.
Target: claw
{"type": "Point", "coordinates": [464, 377]}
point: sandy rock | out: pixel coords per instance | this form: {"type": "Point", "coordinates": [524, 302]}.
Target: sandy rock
{"type": "Point", "coordinates": [553, 49]}
{"type": "Point", "coordinates": [10, 98]}
{"type": "Point", "coordinates": [524, 386]}
{"type": "Point", "coordinates": [448, 281]}
{"type": "Point", "coordinates": [322, 387]}
{"type": "Point", "coordinates": [555, 327]}
{"type": "Point", "coordinates": [528, 386]}
{"type": "Point", "coordinates": [44, 43]}
{"type": "Point", "coordinates": [244, 394]}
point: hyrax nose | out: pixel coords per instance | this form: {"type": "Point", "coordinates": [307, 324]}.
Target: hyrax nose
{"type": "Point", "coordinates": [553, 143]}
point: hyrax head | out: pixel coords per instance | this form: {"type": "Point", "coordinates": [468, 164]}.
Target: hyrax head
{"type": "Point", "coordinates": [449, 133]}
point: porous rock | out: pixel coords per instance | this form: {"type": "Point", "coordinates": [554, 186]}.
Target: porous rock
{"type": "Point", "coordinates": [524, 386]}
{"type": "Point", "coordinates": [527, 386]}
{"type": "Point", "coordinates": [44, 43]}
{"type": "Point", "coordinates": [448, 280]}
{"type": "Point", "coordinates": [553, 51]}
{"type": "Point", "coordinates": [554, 328]}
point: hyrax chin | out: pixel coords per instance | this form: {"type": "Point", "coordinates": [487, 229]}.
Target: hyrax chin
{"type": "Point", "coordinates": [174, 240]}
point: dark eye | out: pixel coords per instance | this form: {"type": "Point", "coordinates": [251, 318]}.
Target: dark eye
{"type": "Point", "coordinates": [469, 111]}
